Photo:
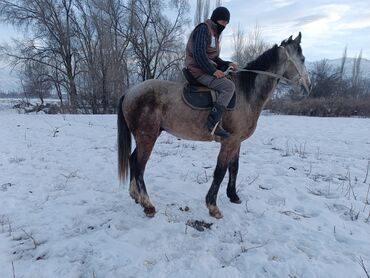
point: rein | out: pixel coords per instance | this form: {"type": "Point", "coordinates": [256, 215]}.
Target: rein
{"type": "Point", "coordinates": [229, 70]}
{"type": "Point", "coordinates": [295, 81]}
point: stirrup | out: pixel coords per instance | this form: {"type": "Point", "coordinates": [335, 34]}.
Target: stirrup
{"type": "Point", "coordinates": [214, 128]}
{"type": "Point", "coordinates": [219, 131]}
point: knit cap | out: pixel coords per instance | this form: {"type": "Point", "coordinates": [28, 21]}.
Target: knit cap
{"type": "Point", "coordinates": [220, 13]}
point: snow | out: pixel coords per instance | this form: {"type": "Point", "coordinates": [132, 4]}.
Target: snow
{"type": "Point", "coordinates": [64, 214]}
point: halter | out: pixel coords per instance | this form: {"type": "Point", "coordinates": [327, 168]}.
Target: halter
{"type": "Point", "coordinates": [300, 80]}
{"type": "Point", "coordinates": [297, 80]}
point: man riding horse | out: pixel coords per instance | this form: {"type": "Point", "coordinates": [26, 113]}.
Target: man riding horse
{"type": "Point", "coordinates": [204, 64]}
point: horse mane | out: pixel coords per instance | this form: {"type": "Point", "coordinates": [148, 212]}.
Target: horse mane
{"type": "Point", "coordinates": [263, 62]}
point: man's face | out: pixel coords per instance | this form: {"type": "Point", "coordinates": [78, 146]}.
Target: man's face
{"type": "Point", "coordinates": [222, 22]}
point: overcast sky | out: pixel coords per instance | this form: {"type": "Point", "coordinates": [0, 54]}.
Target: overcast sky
{"type": "Point", "coordinates": [326, 26]}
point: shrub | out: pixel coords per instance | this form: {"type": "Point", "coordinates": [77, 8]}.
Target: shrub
{"type": "Point", "coordinates": [322, 107]}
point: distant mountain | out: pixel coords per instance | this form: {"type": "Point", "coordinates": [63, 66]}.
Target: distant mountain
{"type": "Point", "coordinates": [9, 81]}
{"type": "Point", "coordinates": [348, 67]}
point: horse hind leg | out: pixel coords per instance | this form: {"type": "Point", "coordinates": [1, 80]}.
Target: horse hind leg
{"type": "Point", "coordinates": [133, 189]}
{"type": "Point", "coordinates": [144, 200]}
{"type": "Point", "coordinates": [138, 190]}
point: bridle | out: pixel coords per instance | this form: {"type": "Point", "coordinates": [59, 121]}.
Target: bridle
{"type": "Point", "coordinates": [299, 78]}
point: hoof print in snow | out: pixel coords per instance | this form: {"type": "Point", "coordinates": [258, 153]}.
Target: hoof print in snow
{"type": "Point", "coordinates": [5, 186]}
{"type": "Point", "coordinates": [42, 257]}
{"type": "Point", "coordinates": [295, 215]}
{"type": "Point", "coordinates": [264, 187]}
{"type": "Point", "coordinates": [186, 208]}
{"type": "Point", "coordinates": [199, 225]}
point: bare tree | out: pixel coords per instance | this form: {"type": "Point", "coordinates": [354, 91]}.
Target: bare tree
{"type": "Point", "coordinates": [356, 70]}
{"type": "Point", "coordinates": [158, 43]}
{"type": "Point", "coordinates": [202, 10]}
{"type": "Point", "coordinates": [323, 78]}
{"type": "Point", "coordinates": [103, 31]}
{"type": "Point", "coordinates": [35, 80]}
{"type": "Point", "coordinates": [92, 50]}
{"type": "Point", "coordinates": [239, 42]}
{"type": "Point", "coordinates": [48, 24]}
{"type": "Point", "coordinates": [198, 12]}
{"type": "Point", "coordinates": [206, 10]}
{"type": "Point", "coordinates": [343, 63]}
{"type": "Point", "coordinates": [248, 48]}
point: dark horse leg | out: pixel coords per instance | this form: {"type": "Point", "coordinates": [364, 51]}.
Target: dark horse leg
{"type": "Point", "coordinates": [133, 190]}
{"type": "Point", "coordinates": [227, 153]}
{"type": "Point", "coordinates": [138, 160]}
{"type": "Point", "coordinates": [231, 186]}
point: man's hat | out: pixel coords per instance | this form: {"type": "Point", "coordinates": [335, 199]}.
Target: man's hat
{"type": "Point", "coordinates": [220, 13]}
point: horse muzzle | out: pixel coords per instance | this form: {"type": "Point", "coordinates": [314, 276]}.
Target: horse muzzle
{"type": "Point", "coordinates": [305, 82]}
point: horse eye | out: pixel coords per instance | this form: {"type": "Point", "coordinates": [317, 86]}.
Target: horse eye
{"type": "Point", "coordinates": [299, 50]}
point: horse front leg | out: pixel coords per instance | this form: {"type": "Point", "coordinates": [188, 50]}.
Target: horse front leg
{"type": "Point", "coordinates": [231, 186]}
{"type": "Point", "coordinates": [211, 197]}
{"type": "Point", "coordinates": [227, 152]}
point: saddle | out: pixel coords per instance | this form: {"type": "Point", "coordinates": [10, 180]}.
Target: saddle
{"type": "Point", "coordinates": [200, 97]}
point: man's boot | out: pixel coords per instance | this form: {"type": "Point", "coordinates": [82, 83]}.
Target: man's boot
{"type": "Point", "coordinates": [213, 121]}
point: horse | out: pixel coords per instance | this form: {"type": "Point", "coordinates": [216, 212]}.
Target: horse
{"type": "Point", "coordinates": [154, 106]}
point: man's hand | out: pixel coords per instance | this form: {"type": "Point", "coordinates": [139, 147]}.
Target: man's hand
{"type": "Point", "coordinates": [234, 66]}
{"type": "Point", "coordinates": [219, 74]}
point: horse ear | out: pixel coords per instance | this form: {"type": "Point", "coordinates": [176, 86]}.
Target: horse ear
{"type": "Point", "coordinates": [286, 41]}
{"type": "Point", "coordinates": [298, 38]}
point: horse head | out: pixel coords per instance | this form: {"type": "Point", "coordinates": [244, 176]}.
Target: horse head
{"type": "Point", "coordinates": [295, 68]}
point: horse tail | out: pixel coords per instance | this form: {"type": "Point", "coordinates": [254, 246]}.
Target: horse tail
{"type": "Point", "coordinates": [123, 142]}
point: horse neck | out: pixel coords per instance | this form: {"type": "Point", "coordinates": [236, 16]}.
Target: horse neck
{"type": "Point", "coordinates": [265, 85]}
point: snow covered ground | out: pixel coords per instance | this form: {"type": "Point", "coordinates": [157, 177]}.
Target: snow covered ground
{"type": "Point", "coordinates": [64, 214]}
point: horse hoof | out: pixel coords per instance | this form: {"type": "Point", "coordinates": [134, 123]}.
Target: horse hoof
{"type": "Point", "coordinates": [150, 211]}
{"type": "Point", "coordinates": [215, 212]}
